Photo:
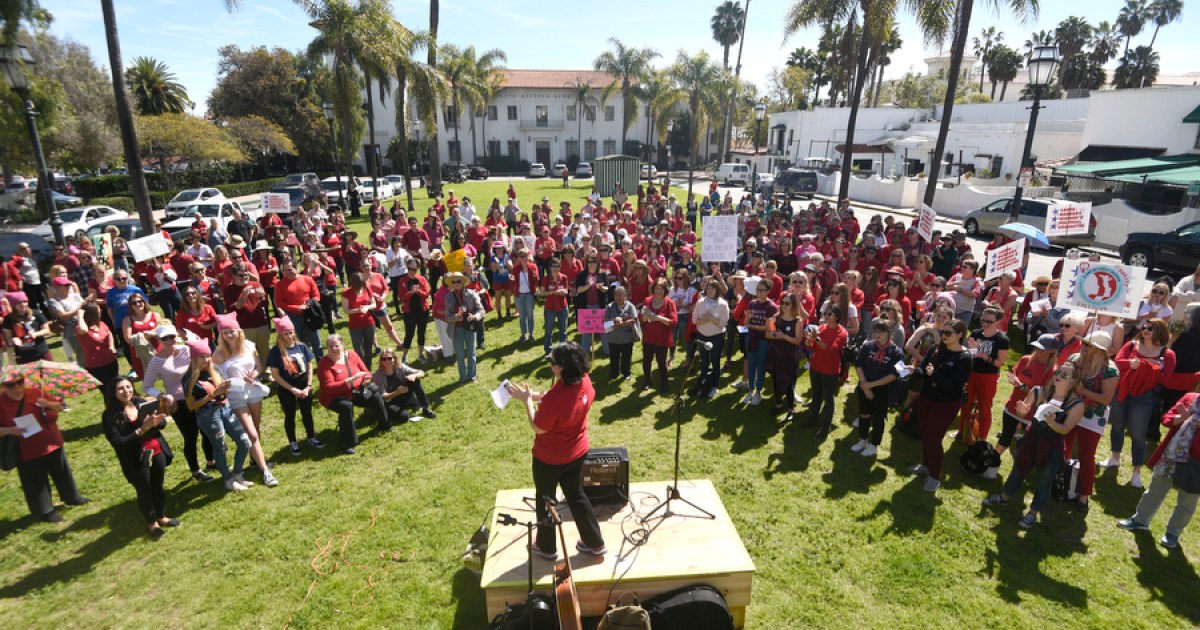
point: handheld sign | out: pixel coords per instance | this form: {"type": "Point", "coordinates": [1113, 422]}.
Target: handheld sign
{"type": "Point", "coordinates": [454, 260]}
{"type": "Point", "coordinates": [1068, 219]}
{"type": "Point", "coordinates": [720, 239]}
{"type": "Point", "coordinates": [925, 220]}
{"type": "Point", "coordinates": [277, 203]}
{"type": "Point", "coordinates": [148, 247]}
{"type": "Point", "coordinates": [591, 320]}
{"type": "Point", "coordinates": [1005, 258]}
{"type": "Point", "coordinates": [1103, 287]}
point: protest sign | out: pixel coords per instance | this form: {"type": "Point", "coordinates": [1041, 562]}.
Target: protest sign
{"type": "Point", "coordinates": [278, 203]}
{"type": "Point", "coordinates": [720, 239]}
{"type": "Point", "coordinates": [1106, 288]}
{"type": "Point", "coordinates": [591, 320]}
{"type": "Point", "coordinates": [148, 247]}
{"type": "Point", "coordinates": [1005, 258]}
{"type": "Point", "coordinates": [925, 220]}
{"type": "Point", "coordinates": [1068, 219]}
{"type": "Point", "coordinates": [103, 243]}
{"type": "Point", "coordinates": [454, 260]}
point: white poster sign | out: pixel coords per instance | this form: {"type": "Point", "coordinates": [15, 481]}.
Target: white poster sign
{"type": "Point", "coordinates": [925, 220]}
{"type": "Point", "coordinates": [1103, 287]}
{"type": "Point", "coordinates": [1005, 258]}
{"type": "Point", "coordinates": [278, 203]}
{"type": "Point", "coordinates": [720, 239]}
{"type": "Point", "coordinates": [148, 247]}
{"type": "Point", "coordinates": [1068, 219]}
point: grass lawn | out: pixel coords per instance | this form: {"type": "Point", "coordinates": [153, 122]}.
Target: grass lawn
{"type": "Point", "coordinates": [373, 540]}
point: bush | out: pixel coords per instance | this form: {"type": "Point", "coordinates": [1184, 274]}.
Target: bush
{"type": "Point", "coordinates": [505, 164]}
{"type": "Point", "coordinates": [160, 199]}
{"type": "Point", "coordinates": [120, 203]}
{"type": "Point", "coordinates": [221, 175]}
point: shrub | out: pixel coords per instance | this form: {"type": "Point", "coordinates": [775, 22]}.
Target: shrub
{"type": "Point", "coordinates": [120, 203]}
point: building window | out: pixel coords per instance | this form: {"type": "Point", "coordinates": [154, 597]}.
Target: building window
{"type": "Point", "coordinates": [512, 112]}
{"type": "Point", "coordinates": [451, 116]}
{"type": "Point", "coordinates": [455, 151]}
{"type": "Point", "coordinates": [589, 150]}
{"type": "Point", "coordinates": [491, 113]}
{"type": "Point", "coordinates": [493, 148]}
{"type": "Point", "coordinates": [610, 113]}
{"type": "Point", "coordinates": [514, 148]}
{"type": "Point", "coordinates": [541, 115]}
{"type": "Point", "coordinates": [589, 113]}
{"type": "Point", "coordinates": [571, 114]}
{"type": "Point", "coordinates": [610, 147]}
{"type": "Point", "coordinates": [572, 148]}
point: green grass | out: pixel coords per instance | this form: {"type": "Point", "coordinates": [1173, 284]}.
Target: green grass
{"type": "Point", "coordinates": [838, 541]}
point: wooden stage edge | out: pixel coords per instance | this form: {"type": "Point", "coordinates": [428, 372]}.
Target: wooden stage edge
{"type": "Point", "coordinates": [683, 549]}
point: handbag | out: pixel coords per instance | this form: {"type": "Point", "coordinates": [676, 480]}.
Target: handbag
{"type": "Point", "coordinates": [625, 617]}
{"type": "Point", "coordinates": [10, 452]}
{"type": "Point", "coordinates": [314, 315]}
{"type": "Point", "coordinates": [1187, 476]}
{"type": "Point", "coordinates": [362, 394]}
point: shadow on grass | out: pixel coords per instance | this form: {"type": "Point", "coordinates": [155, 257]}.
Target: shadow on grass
{"type": "Point", "coordinates": [82, 429]}
{"type": "Point", "coordinates": [471, 609]}
{"type": "Point", "coordinates": [911, 507]}
{"type": "Point", "coordinates": [800, 445]}
{"type": "Point", "coordinates": [1116, 500]}
{"type": "Point", "coordinates": [852, 473]}
{"type": "Point", "coordinates": [1167, 576]}
{"type": "Point", "coordinates": [1016, 561]}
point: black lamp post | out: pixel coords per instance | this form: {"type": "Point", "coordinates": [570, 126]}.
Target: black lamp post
{"type": "Point", "coordinates": [13, 62]}
{"type": "Point", "coordinates": [1042, 64]}
{"type": "Point", "coordinates": [760, 112]}
{"type": "Point", "coordinates": [337, 173]}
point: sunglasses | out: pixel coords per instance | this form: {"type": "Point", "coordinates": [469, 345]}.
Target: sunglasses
{"type": "Point", "coordinates": [387, 358]}
{"type": "Point", "coordinates": [987, 322]}
{"type": "Point", "coordinates": [167, 338]}
{"type": "Point", "coordinates": [947, 333]}
{"type": "Point", "coordinates": [136, 303]}
{"type": "Point", "coordinates": [1063, 374]}
{"type": "Point", "coordinates": [1066, 325]}
{"type": "Point", "coordinates": [1146, 328]}
{"type": "Point", "coordinates": [120, 279]}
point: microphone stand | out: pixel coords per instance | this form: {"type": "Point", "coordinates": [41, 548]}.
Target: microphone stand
{"type": "Point", "coordinates": [673, 490]}
{"type": "Point", "coordinates": [507, 519]}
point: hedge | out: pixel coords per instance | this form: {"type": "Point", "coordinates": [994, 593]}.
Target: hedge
{"type": "Point", "coordinates": [117, 185]}
{"type": "Point", "coordinates": [120, 203]}
{"type": "Point", "coordinates": [161, 199]}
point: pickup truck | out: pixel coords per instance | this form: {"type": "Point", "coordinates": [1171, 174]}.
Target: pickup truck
{"type": "Point", "coordinates": [221, 210]}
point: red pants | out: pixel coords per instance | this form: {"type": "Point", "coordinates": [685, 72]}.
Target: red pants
{"type": "Point", "coordinates": [1088, 440]}
{"type": "Point", "coordinates": [935, 418]}
{"type": "Point", "coordinates": [981, 391]}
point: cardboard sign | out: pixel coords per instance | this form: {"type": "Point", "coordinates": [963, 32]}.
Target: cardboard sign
{"type": "Point", "coordinates": [591, 320]}
{"type": "Point", "coordinates": [1102, 287]}
{"type": "Point", "coordinates": [1005, 258]}
{"type": "Point", "coordinates": [148, 247]}
{"type": "Point", "coordinates": [925, 220]}
{"type": "Point", "coordinates": [104, 248]}
{"type": "Point", "coordinates": [720, 239]}
{"type": "Point", "coordinates": [454, 260]}
{"type": "Point", "coordinates": [278, 203]}
{"type": "Point", "coordinates": [1065, 220]}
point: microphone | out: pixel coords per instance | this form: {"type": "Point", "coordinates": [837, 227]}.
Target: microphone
{"type": "Point", "coordinates": [706, 345]}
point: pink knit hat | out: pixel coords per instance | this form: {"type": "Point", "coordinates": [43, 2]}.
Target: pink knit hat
{"type": "Point", "coordinates": [284, 324]}
{"type": "Point", "coordinates": [228, 321]}
{"type": "Point", "coordinates": [198, 348]}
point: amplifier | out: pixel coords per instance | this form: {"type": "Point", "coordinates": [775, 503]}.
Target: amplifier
{"type": "Point", "coordinates": [606, 475]}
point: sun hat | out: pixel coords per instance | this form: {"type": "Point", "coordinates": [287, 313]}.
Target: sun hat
{"type": "Point", "coordinates": [235, 241]}
{"type": "Point", "coordinates": [1098, 339]}
{"type": "Point", "coordinates": [455, 277]}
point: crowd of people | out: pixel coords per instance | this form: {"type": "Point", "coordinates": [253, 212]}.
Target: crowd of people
{"type": "Point", "coordinates": [253, 308]}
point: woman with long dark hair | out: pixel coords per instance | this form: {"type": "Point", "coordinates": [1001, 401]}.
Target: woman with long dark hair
{"type": "Point", "coordinates": [946, 367]}
{"type": "Point", "coordinates": [141, 449]}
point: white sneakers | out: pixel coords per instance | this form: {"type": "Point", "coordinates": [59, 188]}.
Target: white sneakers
{"type": "Point", "coordinates": [870, 450]}
{"type": "Point", "coordinates": [1136, 482]}
{"type": "Point", "coordinates": [240, 478]}
{"type": "Point", "coordinates": [233, 485]}
{"type": "Point", "coordinates": [859, 446]}
{"type": "Point", "coordinates": [742, 385]}
{"type": "Point", "coordinates": [754, 398]}
{"type": "Point", "coordinates": [269, 480]}
{"type": "Point", "coordinates": [1111, 462]}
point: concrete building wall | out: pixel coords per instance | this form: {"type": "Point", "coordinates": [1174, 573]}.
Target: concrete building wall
{"type": "Point", "coordinates": [1151, 117]}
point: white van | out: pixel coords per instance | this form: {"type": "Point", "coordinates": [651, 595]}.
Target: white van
{"type": "Point", "coordinates": [730, 172]}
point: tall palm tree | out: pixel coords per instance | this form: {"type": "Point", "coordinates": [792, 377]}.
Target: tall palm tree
{"type": "Point", "coordinates": [155, 88]}
{"type": "Point", "coordinates": [727, 24]}
{"type": "Point", "coordinates": [1106, 41]}
{"type": "Point", "coordinates": [427, 87]}
{"type": "Point", "coordinates": [1131, 20]}
{"type": "Point", "coordinates": [701, 80]}
{"type": "Point", "coordinates": [1072, 35]}
{"type": "Point", "coordinates": [1006, 64]}
{"type": "Point", "coordinates": [488, 90]}
{"type": "Point", "coordinates": [628, 65]}
{"type": "Point", "coordinates": [582, 92]}
{"type": "Point", "coordinates": [435, 167]}
{"type": "Point", "coordinates": [988, 38]}
{"type": "Point", "coordinates": [1163, 12]}
{"type": "Point", "coordinates": [467, 72]}
{"type": "Point", "coordinates": [659, 96]}
{"type": "Point", "coordinates": [891, 45]}
{"type": "Point", "coordinates": [1038, 38]}
{"type": "Point", "coordinates": [1139, 68]}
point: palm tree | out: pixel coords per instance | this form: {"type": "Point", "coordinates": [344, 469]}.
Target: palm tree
{"type": "Point", "coordinates": [1163, 12]}
{"type": "Point", "coordinates": [701, 80]}
{"type": "Point", "coordinates": [628, 65]}
{"type": "Point", "coordinates": [487, 93]}
{"type": "Point", "coordinates": [1131, 20]}
{"type": "Point", "coordinates": [427, 87]}
{"type": "Point", "coordinates": [727, 24]}
{"type": "Point", "coordinates": [435, 159]}
{"type": "Point", "coordinates": [1006, 64]}
{"type": "Point", "coordinates": [583, 97]}
{"type": "Point", "coordinates": [889, 46]}
{"type": "Point", "coordinates": [1138, 68]}
{"type": "Point", "coordinates": [988, 38]}
{"type": "Point", "coordinates": [1038, 38]}
{"type": "Point", "coordinates": [1072, 35]}
{"type": "Point", "coordinates": [660, 96]}
{"type": "Point", "coordinates": [155, 88]}
{"type": "Point", "coordinates": [1106, 40]}
{"type": "Point", "coordinates": [467, 73]}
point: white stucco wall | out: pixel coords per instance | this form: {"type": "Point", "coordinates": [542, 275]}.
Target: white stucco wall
{"type": "Point", "coordinates": [1151, 117]}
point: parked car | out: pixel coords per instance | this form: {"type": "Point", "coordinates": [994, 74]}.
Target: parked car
{"type": "Point", "coordinates": [557, 169]}
{"type": "Point", "coordinates": [42, 252]}
{"type": "Point", "coordinates": [761, 180]}
{"type": "Point", "coordinates": [537, 169]}
{"type": "Point", "coordinates": [795, 182]}
{"type": "Point", "coordinates": [475, 171]}
{"type": "Point", "coordinates": [188, 197]}
{"type": "Point", "coordinates": [385, 188]}
{"type": "Point", "coordinates": [219, 209]}
{"type": "Point", "coordinates": [1177, 250]}
{"type": "Point", "coordinates": [649, 170]}
{"type": "Point", "coordinates": [333, 189]}
{"type": "Point", "coordinates": [77, 219]}
{"type": "Point", "coordinates": [732, 172]}
{"type": "Point", "coordinates": [583, 171]}
{"type": "Point", "coordinates": [299, 179]}
{"type": "Point", "coordinates": [397, 182]}
{"type": "Point", "coordinates": [63, 184]}
{"type": "Point", "coordinates": [456, 173]}
{"type": "Point", "coordinates": [986, 220]}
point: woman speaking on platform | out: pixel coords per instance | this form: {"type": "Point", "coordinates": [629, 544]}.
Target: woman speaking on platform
{"type": "Point", "coordinates": [559, 421]}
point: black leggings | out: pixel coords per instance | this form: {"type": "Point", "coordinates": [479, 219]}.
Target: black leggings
{"type": "Point", "coordinates": [659, 355]}
{"type": "Point", "coordinates": [415, 321]}
{"type": "Point", "coordinates": [148, 482]}
{"type": "Point", "coordinates": [547, 478]}
{"type": "Point", "coordinates": [1008, 429]}
{"type": "Point", "coordinates": [105, 373]}
{"type": "Point", "coordinates": [621, 355]}
{"type": "Point", "coordinates": [185, 419]}
{"type": "Point", "coordinates": [872, 414]}
{"type": "Point", "coordinates": [290, 402]}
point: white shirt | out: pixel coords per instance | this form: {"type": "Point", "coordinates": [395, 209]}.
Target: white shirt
{"type": "Point", "coordinates": [202, 253]}
{"type": "Point", "coordinates": [467, 213]}
{"type": "Point", "coordinates": [397, 262]}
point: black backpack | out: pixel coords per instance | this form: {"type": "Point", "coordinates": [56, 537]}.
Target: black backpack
{"type": "Point", "coordinates": [697, 607]}
{"type": "Point", "coordinates": [979, 457]}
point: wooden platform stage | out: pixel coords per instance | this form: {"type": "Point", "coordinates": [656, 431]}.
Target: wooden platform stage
{"type": "Point", "coordinates": [681, 550]}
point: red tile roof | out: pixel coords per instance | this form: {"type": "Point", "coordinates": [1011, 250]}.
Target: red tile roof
{"type": "Point", "coordinates": [565, 79]}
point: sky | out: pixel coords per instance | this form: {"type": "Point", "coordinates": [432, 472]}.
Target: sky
{"type": "Point", "coordinates": [185, 34]}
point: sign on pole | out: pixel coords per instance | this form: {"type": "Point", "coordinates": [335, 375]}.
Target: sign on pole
{"type": "Point", "coordinates": [1025, 178]}
{"type": "Point", "coordinates": [278, 203]}
{"type": "Point", "coordinates": [1068, 219]}
{"type": "Point", "coordinates": [1104, 287]}
{"type": "Point", "coordinates": [591, 321]}
{"type": "Point", "coordinates": [925, 220]}
{"type": "Point", "coordinates": [720, 239]}
{"type": "Point", "coordinates": [103, 242]}
{"type": "Point", "coordinates": [1005, 258]}
{"type": "Point", "coordinates": [148, 247]}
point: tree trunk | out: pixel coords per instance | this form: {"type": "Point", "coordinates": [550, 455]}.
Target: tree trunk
{"type": "Point", "coordinates": [693, 131]}
{"type": "Point", "coordinates": [1003, 89]}
{"type": "Point", "coordinates": [878, 86]}
{"type": "Point", "coordinates": [457, 124]}
{"type": "Point", "coordinates": [435, 157]}
{"type": "Point", "coordinates": [133, 158]}
{"type": "Point", "coordinates": [737, 75]}
{"type": "Point", "coordinates": [626, 110]}
{"type": "Point", "coordinates": [961, 25]}
{"type": "Point", "coordinates": [983, 69]}
{"type": "Point", "coordinates": [402, 128]}
{"type": "Point", "coordinates": [369, 149]}
{"type": "Point", "coordinates": [474, 146]}
{"type": "Point", "coordinates": [726, 104]}
{"type": "Point", "coordinates": [994, 91]}
{"type": "Point", "coordinates": [860, 77]}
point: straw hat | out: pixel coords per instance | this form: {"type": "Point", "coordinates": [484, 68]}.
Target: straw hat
{"type": "Point", "coordinates": [1098, 339]}
{"type": "Point", "coordinates": [455, 278]}
{"type": "Point", "coordinates": [235, 241]}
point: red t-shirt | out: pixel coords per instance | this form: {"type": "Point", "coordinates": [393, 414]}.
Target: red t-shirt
{"type": "Point", "coordinates": [657, 333]}
{"type": "Point", "coordinates": [562, 414]}
{"type": "Point", "coordinates": [44, 442]}
{"type": "Point", "coordinates": [96, 347]}
{"type": "Point", "coordinates": [196, 323]}
{"type": "Point", "coordinates": [828, 360]}
{"type": "Point", "coordinates": [251, 314]}
{"type": "Point", "coordinates": [1030, 373]}
{"type": "Point", "coordinates": [291, 294]}
{"type": "Point", "coordinates": [360, 299]}
{"type": "Point", "coordinates": [552, 282]}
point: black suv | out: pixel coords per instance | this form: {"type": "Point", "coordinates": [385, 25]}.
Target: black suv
{"type": "Point", "coordinates": [796, 182]}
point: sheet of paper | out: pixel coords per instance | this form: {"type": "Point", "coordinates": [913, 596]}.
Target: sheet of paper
{"type": "Point", "coordinates": [500, 395]}
{"type": "Point", "coordinates": [743, 330]}
{"type": "Point", "coordinates": [1037, 306]}
{"type": "Point", "coordinates": [608, 326]}
{"type": "Point", "coordinates": [29, 424]}
{"type": "Point", "coordinates": [902, 369]}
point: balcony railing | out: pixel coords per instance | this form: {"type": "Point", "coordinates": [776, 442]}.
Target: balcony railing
{"type": "Point", "coordinates": [549, 123]}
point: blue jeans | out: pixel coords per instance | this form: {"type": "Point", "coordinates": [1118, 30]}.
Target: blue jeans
{"type": "Point", "coordinates": [1044, 482]}
{"type": "Point", "coordinates": [464, 353]}
{"type": "Point", "coordinates": [757, 358]}
{"type": "Point", "coordinates": [305, 334]}
{"type": "Point", "coordinates": [525, 313]}
{"type": "Point", "coordinates": [680, 331]}
{"type": "Point", "coordinates": [1133, 412]}
{"type": "Point", "coordinates": [214, 422]}
{"type": "Point", "coordinates": [555, 319]}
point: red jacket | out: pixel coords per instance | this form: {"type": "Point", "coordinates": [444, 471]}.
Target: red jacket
{"type": "Point", "coordinates": [1139, 381]}
{"type": "Point", "coordinates": [1181, 408]}
{"type": "Point", "coordinates": [828, 360]}
{"type": "Point", "coordinates": [657, 333]}
{"type": "Point", "coordinates": [419, 290]}
{"type": "Point", "coordinates": [534, 279]}
{"type": "Point", "coordinates": [332, 376]}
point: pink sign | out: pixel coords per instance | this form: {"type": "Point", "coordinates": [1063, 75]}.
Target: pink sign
{"type": "Point", "coordinates": [591, 320]}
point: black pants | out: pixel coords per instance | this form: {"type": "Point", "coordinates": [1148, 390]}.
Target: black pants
{"type": "Point", "coordinates": [872, 414]}
{"type": "Point", "coordinates": [399, 406]}
{"type": "Point", "coordinates": [329, 304]}
{"type": "Point", "coordinates": [185, 419]}
{"type": "Point", "coordinates": [148, 482]}
{"type": "Point", "coordinates": [824, 388]}
{"type": "Point", "coordinates": [546, 479]}
{"type": "Point", "coordinates": [658, 354]}
{"type": "Point", "coordinates": [290, 403]}
{"type": "Point", "coordinates": [1008, 429]}
{"type": "Point", "coordinates": [36, 475]}
{"type": "Point", "coordinates": [344, 408]}
{"type": "Point", "coordinates": [415, 322]}
{"type": "Point", "coordinates": [37, 296]}
{"type": "Point", "coordinates": [620, 358]}
{"type": "Point", "coordinates": [105, 373]}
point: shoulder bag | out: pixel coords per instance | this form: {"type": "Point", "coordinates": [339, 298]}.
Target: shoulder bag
{"type": "Point", "coordinates": [362, 394]}
{"type": "Point", "coordinates": [10, 446]}
{"type": "Point", "coordinates": [1187, 476]}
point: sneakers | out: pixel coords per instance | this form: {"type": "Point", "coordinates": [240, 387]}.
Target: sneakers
{"type": "Point", "coordinates": [742, 385]}
{"type": "Point", "coordinates": [1131, 525]}
{"type": "Point", "coordinates": [1136, 482]}
{"type": "Point", "coordinates": [995, 499]}
{"type": "Point", "coordinates": [1169, 540]}
{"type": "Point", "coordinates": [269, 480]}
{"type": "Point", "coordinates": [233, 485]}
{"type": "Point", "coordinates": [595, 551]}
{"type": "Point", "coordinates": [545, 555]}
{"type": "Point", "coordinates": [1111, 462]}
{"type": "Point", "coordinates": [992, 472]}
{"type": "Point", "coordinates": [870, 450]}
{"type": "Point", "coordinates": [295, 448]}
{"type": "Point", "coordinates": [932, 485]}
{"type": "Point", "coordinates": [918, 469]}
{"type": "Point", "coordinates": [859, 446]}
{"type": "Point", "coordinates": [240, 478]}
{"type": "Point", "coordinates": [712, 393]}
{"type": "Point", "coordinates": [201, 476]}
{"type": "Point", "coordinates": [428, 413]}
{"type": "Point", "coordinates": [1029, 520]}
{"type": "Point", "coordinates": [755, 399]}
{"type": "Point", "coordinates": [315, 442]}
{"type": "Point", "coordinates": [348, 451]}
{"type": "Point", "coordinates": [747, 398]}
{"type": "Point", "coordinates": [855, 423]}
{"type": "Point", "coordinates": [52, 517]}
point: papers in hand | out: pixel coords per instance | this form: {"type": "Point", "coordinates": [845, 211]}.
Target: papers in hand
{"type": "Point", "coordinates": [743, 329]}
{"type": "Point", "coordinates": [1040, 305]}
{"type": "Point", "coordinates": [608, 326]}
{"type": "Point", "coordinates": [500, 395]}
{"type": "Point", "coordinates": [902, 369]}
{"type": "Point", "coordinates": [29, 424]}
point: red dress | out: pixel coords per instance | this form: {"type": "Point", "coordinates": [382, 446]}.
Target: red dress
{"type": "Point", "coordinates": [145, 326]}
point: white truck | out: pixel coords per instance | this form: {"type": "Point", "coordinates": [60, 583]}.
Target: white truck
{"type": "Point", "coordinates": [221, 210]}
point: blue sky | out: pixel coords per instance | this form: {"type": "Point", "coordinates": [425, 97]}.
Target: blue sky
{"type": "Point", "coordinates": [185, 34]}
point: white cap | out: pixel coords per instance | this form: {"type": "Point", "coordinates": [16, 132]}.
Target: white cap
{"type": "Point", "coordinates": [166, 330]}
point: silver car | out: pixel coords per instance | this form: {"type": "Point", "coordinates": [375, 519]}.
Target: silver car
{"type": "Point", "coordinates": [986, 220]}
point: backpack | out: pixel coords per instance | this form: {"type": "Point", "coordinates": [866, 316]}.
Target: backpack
{"type": "Point", "coordinates": [908, 423]}
{"type": "Point", "coordinates": [1066, 481]}
{"type": "Point", "coordinates": [625, 617]}
{"type": "Point", "coordinates": [538, 613]}
{"type": "Point", "coordinates": [697, 607]}
{"type": "Point", "coordinates": [979, 457]}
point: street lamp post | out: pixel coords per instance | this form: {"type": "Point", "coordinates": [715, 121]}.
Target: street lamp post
{"type": "Point", "coordinates": [760, 112]}
{"type": "Point", "coordinates": [337, 173]}
{"type": "Point", "coordinates": [13, 62]}
{"type": "Point", "coordinates": [1042, 64]}
{"type": "Point", "coordinates": [670, 130]}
